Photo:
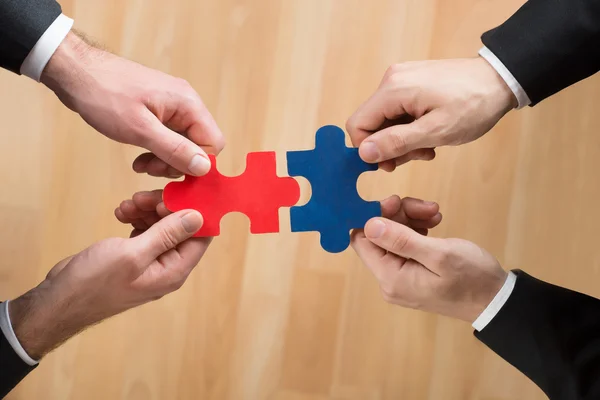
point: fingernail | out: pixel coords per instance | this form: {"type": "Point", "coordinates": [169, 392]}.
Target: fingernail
{"type": "Point", "coordinates": [429, 203]}
{"type": "Point", "coordinates": [369, 152]}
{"type": "Point", "coordinates": [199, 165]}
{"type": "Point", "coordinates": [192, 222]}
{"type": "Point", "coordinates": [374, 229]}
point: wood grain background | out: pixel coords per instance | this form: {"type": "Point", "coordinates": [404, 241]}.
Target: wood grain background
{"type": "Point", "coordinates": [274, 316]}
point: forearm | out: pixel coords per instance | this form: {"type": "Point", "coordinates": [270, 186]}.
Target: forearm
{"type": "Point", "coordinates": [552, 335]}
{"type": "Point", "coordinates": [43, 319]}
{"type": "Point", "coordinates": [30, 327]}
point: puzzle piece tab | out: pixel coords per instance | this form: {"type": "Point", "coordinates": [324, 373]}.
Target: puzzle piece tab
{"type": "Point", "coordinates": [335, 206]}
{"type": "Point", "coordinates": [258, 193]}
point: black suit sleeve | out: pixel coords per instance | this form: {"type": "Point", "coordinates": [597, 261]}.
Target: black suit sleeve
{"type": "Point", "coordinates": [12, 368]}
{"type": "Point", "coordinates": [552, 335]}
{"type": "Point", "coordinates": [549, 44]}
{"type": "Point", "coordinates": [22, 23]}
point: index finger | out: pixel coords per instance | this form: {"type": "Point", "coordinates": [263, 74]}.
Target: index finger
{"type": "Point", "coordinates": [203, 129]}
{"type": "Point", "coordinates": [148, 200]}
{"type": "Point", "coordinates": [383, 109]}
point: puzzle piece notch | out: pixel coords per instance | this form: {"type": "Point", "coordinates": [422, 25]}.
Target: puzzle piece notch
{"type": "Point", "coordinates": [335, 206]}
{"type": "Point", "coordinates": [258, 192]}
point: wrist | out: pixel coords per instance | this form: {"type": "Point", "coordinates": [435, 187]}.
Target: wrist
{"type": "Point", "coordinates": [68, 66]}
{"type": "Point", "coordinates": [488, 290]}
{"type": "Point", "coordinates": [496, 304]}
{"type": "Point", "coordinates": [498, 90]}
{"type": "Point", "coordinates": [26, 319]}
{"type": "Point", "coordinates": [43, 320]}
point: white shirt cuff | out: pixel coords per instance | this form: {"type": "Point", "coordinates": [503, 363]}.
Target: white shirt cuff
{"type": "Point", "coordinates": [8, 332]}
{"type": "Point", "coordinates": [510, 80]}
{"type": "Point", "coordinates": [38, 57]}
{"type": "Point", "coordinates": [497, 302]}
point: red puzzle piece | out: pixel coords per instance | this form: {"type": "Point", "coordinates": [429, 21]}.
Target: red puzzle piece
{"type": "Point", "coordinates": [258, 193]}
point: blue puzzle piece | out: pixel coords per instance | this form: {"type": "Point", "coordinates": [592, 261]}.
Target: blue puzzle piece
{"type": "Point", "coordinates": [335, 206]}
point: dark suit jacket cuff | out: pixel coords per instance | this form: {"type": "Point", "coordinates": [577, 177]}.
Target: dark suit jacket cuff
{"type": "Point", "coordinates": [12, 368]}
{"type": "Point", "coordinates": [548, 45]}
{"type": "Point", "coordinates": [552, 335]}
{"type": "Point", "coordinates": [22, 23]}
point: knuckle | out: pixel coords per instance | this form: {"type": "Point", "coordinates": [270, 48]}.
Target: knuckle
{"type": "Point", "coordinates": [183, 84]}
{"type": "Point", "coordinates": [156, 297]}
{"type": "Point", "coordinates": [187, 91]}
{"type": "Point", "coordinates": [415, 304]}
{"type": "Point", "coordinates": [396, 80]}
{"type": "Point", "coordinates": [428, 154]}
{"type": "Point", "coordinates": [400, 243]}
{"type": "Point", "coordinates": [393, 70]}
{"type": "Point", "coordinates": [355, 236]}
{"type": "Point", "coordinates": [351, 124]}
{"type": "Point", "coordinates": [168, 237]}
{"type": "Point", "coordinates": [179, 280]}
{"type": "Point", "coordinates": [219, 144]}
{"type": "Point", "coordinates": [388, 293]}
{"type": "Point", "coordinates": [178, 147]}
{"type": "Point", "coordinates": [191, 99]}
{"type": "Point", "coordinates": [398, 143]}
{"type": "Point", "coordinates": [423, 154]}
{"type": "Point", "coordinates": [176, 285]}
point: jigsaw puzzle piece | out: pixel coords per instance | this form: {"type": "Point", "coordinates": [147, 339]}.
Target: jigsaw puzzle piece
{"type": "Point", "coordinates": [334, 229]}
{"type": "Point", "coordinates": [198, 193]}
{"type": "Point", "coordinates": [269, 192]}
{"type": "Point", "coordinates": [258, 193]}
{"type": "Point", "coordinates": [335, 206]}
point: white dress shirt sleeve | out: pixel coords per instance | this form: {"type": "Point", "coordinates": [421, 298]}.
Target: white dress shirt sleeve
{"type": "Point", "coordinates": [38, 57]}
{"type": "Point", "coordinates": [9, 334]}
{"type": "Point", "coordinates": [511, 81]}
{"type": "Point", "coordinates": [497, 302]}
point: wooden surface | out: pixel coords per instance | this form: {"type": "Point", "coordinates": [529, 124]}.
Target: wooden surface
{"type": "Point", "coordinates": [273, 316]}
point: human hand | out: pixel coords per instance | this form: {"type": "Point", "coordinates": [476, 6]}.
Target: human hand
{"type": "Point", "coordinates": [422, 105]}
{"type": "Point", "coordinates": [106, 279]}
{"type": "Point", "coordinates": [417, 214]}
{"type": "Point", "coordinates": [143, 210]}
{"type": "Point", "coordinates": [451, 277]}
{"type": "Point", "coordinates": [133, 104]}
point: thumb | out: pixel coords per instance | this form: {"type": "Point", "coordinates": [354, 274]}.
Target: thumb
{"type": "Point", "coordinates": [177, 150]}
{"type": "Point", "coordinates": [398, 140]}
{"type": "Point", "coordinates": [166, 234]}
{"type": "Point", "coordinates": [404, 241]}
